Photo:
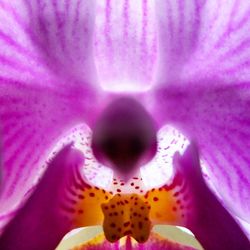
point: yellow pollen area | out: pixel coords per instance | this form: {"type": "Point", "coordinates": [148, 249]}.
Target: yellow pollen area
{"type": "Point", "coordinates": [166, 208]}
{"type": "Point", "coordinates": [88, 208]}
{"type": "Point", "coordinates": [126, 215]}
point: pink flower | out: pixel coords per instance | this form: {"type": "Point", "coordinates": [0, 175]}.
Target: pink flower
{"type": "Point", "coordinates": [87, 87]}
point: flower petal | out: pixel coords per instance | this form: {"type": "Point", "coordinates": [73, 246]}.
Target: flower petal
{"type": "Point", "coordinates": [209, 103]}
{"type": "Point", "coordinates": [126, 45]}
{"type": "Point", "coordinates": [42, 37]}
{"type": "Point", "coordinates": [41, 223]}
{"type": "Point", "coordinates": [46, 69]}
{"type": "Point", "coordinates": [218, 119]}
{"type": "Point", "coordinates": [210, 222]}
{"type": "Point", "coordinates": [197, 36]}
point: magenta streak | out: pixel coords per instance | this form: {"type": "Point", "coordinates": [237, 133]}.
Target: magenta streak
{"type": "Point", "coordinates": [125, 23]}
{"type": "Point", "coordinates": [107, 29]}
{"type": "Point", "coordinates": [21, 23]}
{"type": "Point", "coordinates": [180, 35]}
{"type": "Point", "coordinates": [18, 66]}
{"type": "Point", "coordinates": [15, 176]}
{"type": "Point", "coordinates": [32, 162]}
{"type": "Point", "coordinates": [229, 30]}
{"type": "Point", "coordinates": [60, 21]}
{"type": "Point", "coordinates": [236, 28]}
{"type": "Point", "coordinates": [18, 48]}
{"type": "Point", "coordinates": [144, 37]}
{"type": "Point", "coordinates": [214, 19]}
{"type": "Point", "coordinates": [128, 243]}
{"type": "Point", "coordinates": [75, 26]}
{"type": "Point", "coordinates": [236, 50]}
{"type": "Point", "coordinates": [236, 68]}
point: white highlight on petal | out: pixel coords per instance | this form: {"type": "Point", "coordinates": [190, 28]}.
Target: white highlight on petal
{"type": "Point", "coordinates": [125, 87]}
{"type": "Point", "coordinates": [184, 229]}
{"type": "Point", "coordinates": [160, 169]}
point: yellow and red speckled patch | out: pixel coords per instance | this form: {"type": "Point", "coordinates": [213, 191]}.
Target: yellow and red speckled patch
{"type": "Point", "coordinates": [126, 215]}
{"type": "Point", "coordinates": [170, 204]}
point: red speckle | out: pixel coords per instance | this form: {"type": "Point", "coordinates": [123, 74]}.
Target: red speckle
{"type": "Point", "coordinates": [112, 225]}
{"type": "Point", "coordinates": [118, 190]}
{"type": "Point", "coordinates": [114, 237]}
{"type": "Point", "coordinates": [140, 225]}
{"type": "Point", "coordinates": [174, 208]}
{"type": "Point", "coordinates": [80, 211]}
{"type": "Point", "coordinates": [155, 199]}
{"type": "Point", "coordinates": [119, 229]}
{"type": "Point", "coordinates": [80, 196]}
{"type": "Point", "coordinates": [126, 224]}
{"type": "Point", "coordinates": [142, 238]}
{"type": "Point", "coordinates": [92, 194]}
{"type": "Point", "coordinates": [137, 187]}
{"type": "Point", "coordinates": [132, 184]}
{"type": "Point", "coordinates": [112, 206]}
{"type": "Point", "coordinates": [128, 232]}
{"type": "Point", "coordinates": [106, 207]}
{"type": "Point", "coordinates": [176, 194]}
{"type": "Point", "coordinates": [106, 197]}
{"type": "Point", "coordinates": [142, 208]}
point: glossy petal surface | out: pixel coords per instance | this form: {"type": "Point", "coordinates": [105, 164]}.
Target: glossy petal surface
{"type": "Point", "coordinates": [46, 70]}
{"type": "Point", "coordinates": [209, 103]}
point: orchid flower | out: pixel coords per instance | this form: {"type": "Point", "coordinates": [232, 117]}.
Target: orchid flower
{"type": "Point", "coordinates": [125, 114]}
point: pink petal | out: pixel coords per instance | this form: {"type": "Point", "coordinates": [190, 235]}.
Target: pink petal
{"type": "Point", "coordinates": [41, 224]}
{"type": "Point", "coordinates": [39, 38]}
{"type": "Point", "coordinates": [210, 222]}
{"type": "Point", "coordinates": [46, 69]}
{"type": "Point", "coordinates": [125, 44]}
{"type": "Point", "coordinates": [197, 36]}
{"type": "Point", "coordinates": [218, 119]}
{"type": "Point", "coordinates": [210, 100]}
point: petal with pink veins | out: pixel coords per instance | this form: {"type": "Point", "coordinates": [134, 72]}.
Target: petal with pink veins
{"type": "Point", "coordinates": [203, 88]}
{"type": "Point", "coordinates": [46, 72]}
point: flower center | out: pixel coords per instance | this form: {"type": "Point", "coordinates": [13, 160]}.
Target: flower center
{"type": "Point", "coordinates": [124, 137]}
{"type": "Point", "coordinates": [126, 215]}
